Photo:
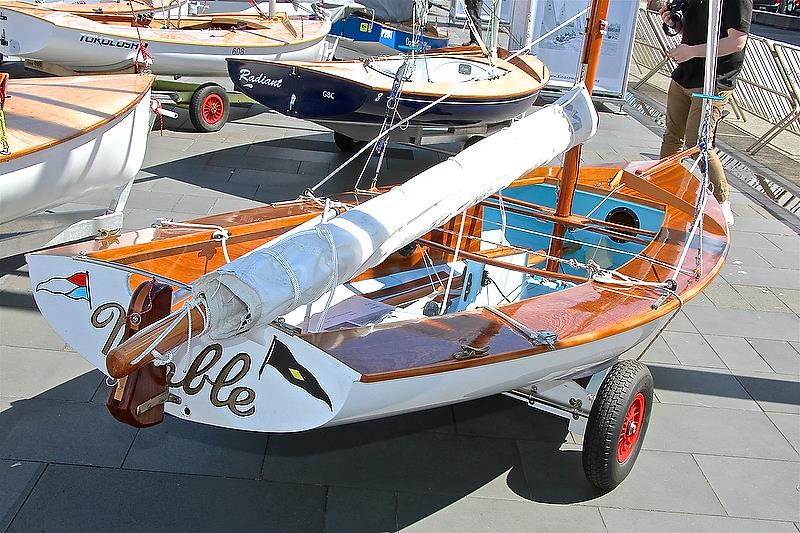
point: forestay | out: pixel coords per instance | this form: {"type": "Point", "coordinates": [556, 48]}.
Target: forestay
{"type": "Point", "coordinates": [303, 265]}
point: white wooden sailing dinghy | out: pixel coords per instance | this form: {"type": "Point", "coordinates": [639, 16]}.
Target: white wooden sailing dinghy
{"type": "Point", "coordinates": [68, 137]}
{"type": "Point", "coordinates": [198, 47]}
{"type": "Point", "coordinates": [461, 283]}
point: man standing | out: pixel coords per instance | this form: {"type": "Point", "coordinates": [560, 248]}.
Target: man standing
{"type": "Point", "coordinates": [474, 13]}
{"type": "Point", "coordinates": [684, 113]}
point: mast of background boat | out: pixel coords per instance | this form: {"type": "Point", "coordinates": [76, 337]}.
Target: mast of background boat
{"type": "Point", "coordinates": [272, 8]}
{"type": "Point", "coordinates": [497, 5]}
{"type": "Point", "coordinates": [587, 70]}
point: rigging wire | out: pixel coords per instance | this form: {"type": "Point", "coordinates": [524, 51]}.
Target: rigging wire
{"type": "Point", "coordinates": [437, 102]}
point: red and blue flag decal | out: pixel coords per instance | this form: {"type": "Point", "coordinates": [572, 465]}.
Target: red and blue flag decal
{"type": "Point", "coordinates": [74, 287]}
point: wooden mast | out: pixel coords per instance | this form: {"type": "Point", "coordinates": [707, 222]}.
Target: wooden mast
{"type": "Point", "coordinates": [590, 56]}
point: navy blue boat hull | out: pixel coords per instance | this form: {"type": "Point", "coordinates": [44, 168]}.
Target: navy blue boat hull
{"type": "Point", "coordinates": [308, 94]}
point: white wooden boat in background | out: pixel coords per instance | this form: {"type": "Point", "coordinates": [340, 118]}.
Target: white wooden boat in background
{"type": "Point", "coordinates": [69, 137]}
{"type": "Point", "coordinates": [198, 47]}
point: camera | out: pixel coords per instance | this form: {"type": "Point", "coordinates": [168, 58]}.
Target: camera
{"type": "Point", "coordinates": [677, 10]}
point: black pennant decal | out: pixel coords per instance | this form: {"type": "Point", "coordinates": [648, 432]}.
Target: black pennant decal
{"type": "Point", "coordinates": [281, 359]}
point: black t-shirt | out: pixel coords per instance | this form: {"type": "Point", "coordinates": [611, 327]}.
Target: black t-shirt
{"type": "Point", "coordinates": [736, 14]}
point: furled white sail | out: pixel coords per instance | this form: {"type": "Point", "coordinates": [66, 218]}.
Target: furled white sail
{"type": "Point", "coordinates": [301, 267]}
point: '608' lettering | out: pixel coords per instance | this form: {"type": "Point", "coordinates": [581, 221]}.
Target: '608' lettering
{"type": "Point", "coordinates": [237, 51]}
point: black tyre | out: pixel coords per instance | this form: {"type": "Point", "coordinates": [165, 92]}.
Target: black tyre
{"type": "Point", "coordinates": [345, 143]}
{"type": "Point", "coordinates": [209, 108]}
{"type": "Point", "coordinates": [472, 140]}
{"type": "Point", "coordinates": [617, 424]}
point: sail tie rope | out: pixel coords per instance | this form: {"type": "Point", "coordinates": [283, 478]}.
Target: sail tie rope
{"type": "Point", "coordinates": [446, 295]}
{"type": "Point", "coordinates": [5, 148]}
{"type": "Point", "coordinates": [322, 231]}
{"type": "Point", "coordinates": [220, 234]}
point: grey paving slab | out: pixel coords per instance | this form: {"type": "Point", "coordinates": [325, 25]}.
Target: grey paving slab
{"type": "Point", "coordinates": [753, 240]}
{"type": "Point", "coordinates": [780, 355]}
{"type": "Point", "coordinates": [681, 323]}
{"type": "Point", "coordinates": [778, 393]}
{"type": "Point", "coordinates": [791, 298]}
{"type": "Point", "coordinates": [660, 481]}
{"type": "Point", "coordinates": [703, 387]}
{"type": "Point", "coordinates": [762, 298]}
{"type": "Point", "coordinates": [421, 461]}
{"type": "Point", "coordinates": [349, 510]}
{"type": "Point", "coordinates": [692, 349]}
{"type": "Point", "coordinates": [281, 151]}
{"type": "Point", "coordinates": [780, 259]}
{"type": "Point", "coordinates": [255, 162]}
{"type": "Point", "coordinates": [744, 323]}
{"type": "Point", "coordinates": [722, 294]}
{"type": "Point", "coordinates": [28, 372]}
{"type": "Point", "coordinates": [759, 225]}
{"type": "Point", "coordinates": [15, 291]}
{"type": "Point", "coordinates": [125, 500]}
{"type": "Point", "coordinates": [660, 352]}
{"type": "Point", "coordinates": [747, 257]}
{"type": "Point", "coordinates": [191, 170]}
{"type": "Point", "coordinates": [789, 425]}
{"type": "Point", "coordinates": [18, 480]}
{"type": "Point", "coordinates": [737, 353]}
{"type": "Point", "coordinates": [64, 432]}
{"type": "Point", "coordinates": [788, 243]}
{"type": "Point", "coordinates": [162, 201]}
{"type": "Point", "coordinates": [26, 328]}
{"type": "Point", "coordinates": [754, 488]}
{"type": "Point", "coordinates": [184, 447]}
{"type": "Point", "coordinates": [780, 278]}
{"type": "Point", "coordinates": [426, 513]}
{"type": "Point", "coordinates": [635, 521]}
{"type": "Point", "coordinates": [223, 205]}
{"type": "Point", "coordinates": [684, 428]}
{"type": "Point", "coordinates": [195, 204]}
{"type": "Point", "coordinates": [506, 418]}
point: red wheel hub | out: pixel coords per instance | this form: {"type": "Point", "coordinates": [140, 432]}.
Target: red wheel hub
{"type": "Point", "coordinates": [213, 108]}
{"type": "Point", "coordinates": [631, 428]}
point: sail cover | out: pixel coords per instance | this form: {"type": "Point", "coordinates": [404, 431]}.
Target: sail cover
{"type": "Point", "coordinates": [300, 267]}
{"type": "Point", "coordinates": [390, 10]}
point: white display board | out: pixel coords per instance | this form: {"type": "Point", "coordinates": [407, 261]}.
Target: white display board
{"type": "Point", "coordinates": [561, 51]}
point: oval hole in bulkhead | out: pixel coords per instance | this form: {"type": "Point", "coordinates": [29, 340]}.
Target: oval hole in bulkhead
{"type": "Point", "coordinates": [623, 216]}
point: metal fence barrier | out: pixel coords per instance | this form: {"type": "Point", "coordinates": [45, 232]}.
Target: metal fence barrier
{"type": "Point", "coordinates": [768, 86]}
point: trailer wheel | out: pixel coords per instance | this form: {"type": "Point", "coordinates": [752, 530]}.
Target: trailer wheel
{"type": "Point", "coordinates": [472, 140]}
{"type": "Point", "coordinates": [345, 143]}
{"type": "Point", "coordinates": [209, 108]}
{"type": "Point", "coordinates": [617, 424]}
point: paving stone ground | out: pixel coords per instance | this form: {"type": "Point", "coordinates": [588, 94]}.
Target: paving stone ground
{"type": "Point", "coordinates": [721, 453]}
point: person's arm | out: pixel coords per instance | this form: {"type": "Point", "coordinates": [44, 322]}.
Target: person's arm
{"type": "Point", "coordinates": [732, 43]}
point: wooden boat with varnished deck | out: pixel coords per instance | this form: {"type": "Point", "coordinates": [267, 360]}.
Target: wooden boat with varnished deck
{"type": "Point", "coordinates": [487, 273]}
{"type": "Point", "coordinates": [190, 46]}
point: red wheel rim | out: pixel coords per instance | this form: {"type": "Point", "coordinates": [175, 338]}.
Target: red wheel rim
{"type": "Point", "coordinates": [213, 108]}
{"type": "Point", "coordinates": [631, 428]}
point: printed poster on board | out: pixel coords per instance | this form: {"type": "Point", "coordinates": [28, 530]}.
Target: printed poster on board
{"type": "Point", "coordinates": [561, 51]}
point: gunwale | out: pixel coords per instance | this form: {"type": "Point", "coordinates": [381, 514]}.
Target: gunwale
{"type": "Point", "coordinates": [581, 314]}
{"type": "Point", "coordinates": [122, 7]}
{"type": "Point", "coordinates": [514, 85]}
{"type": "Point", "coordinates": [265, 39]}
{"type": "Point", "coordinates": [67, 108]}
